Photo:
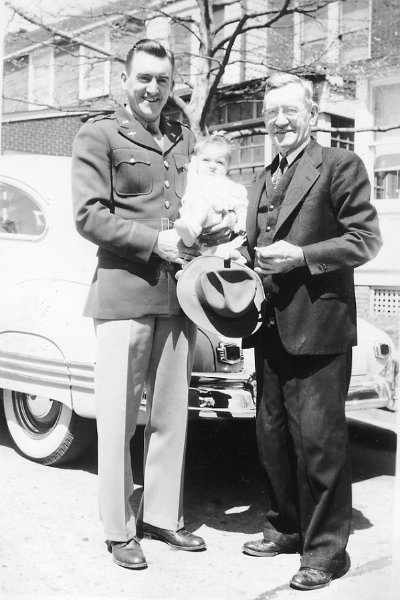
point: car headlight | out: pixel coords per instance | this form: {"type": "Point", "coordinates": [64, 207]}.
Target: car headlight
{"type": "Point", "coordinates": [229, 353]}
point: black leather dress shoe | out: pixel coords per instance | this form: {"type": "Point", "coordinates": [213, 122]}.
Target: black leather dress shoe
{"type": "Point", "coordinates": [181, 539]}
{"type": "Point", "coordinates": [127, 554]}
{"type": "Point", "coordinates": [266, 548]}
{"type": "Point", "coordinates": [308, 578]}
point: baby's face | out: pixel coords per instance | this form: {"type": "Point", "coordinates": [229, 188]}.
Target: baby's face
{"type": "Point", "coordinates": [211, 160]}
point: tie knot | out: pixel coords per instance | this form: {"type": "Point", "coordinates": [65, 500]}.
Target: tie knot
{"type": "Point", "coordinates": [277, 175]}
{"type": "Point", "coordinates": [283, 163]}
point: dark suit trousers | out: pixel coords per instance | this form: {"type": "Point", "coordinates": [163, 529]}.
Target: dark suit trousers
{"type": "Point", "coordinates": [303, 445]}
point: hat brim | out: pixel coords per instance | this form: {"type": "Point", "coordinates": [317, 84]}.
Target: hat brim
{"type": "Point", "coordinates": [188, 299]}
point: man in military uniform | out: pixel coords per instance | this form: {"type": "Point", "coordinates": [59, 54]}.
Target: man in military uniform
{"type": "Point", "coordinates": [129, 174]}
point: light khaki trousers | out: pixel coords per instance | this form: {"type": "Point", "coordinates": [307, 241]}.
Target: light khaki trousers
{"type": "Point", "coordinates": [155, 352]}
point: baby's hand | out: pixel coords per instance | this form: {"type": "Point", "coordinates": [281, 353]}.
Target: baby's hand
{"type": "Point", "coordinates": [220, 233]}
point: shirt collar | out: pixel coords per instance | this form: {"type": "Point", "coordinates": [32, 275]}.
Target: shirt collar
{"type": "Point", "coordinates": [291, 157]}
{"type": "Point", "coordinates": [141, 121]}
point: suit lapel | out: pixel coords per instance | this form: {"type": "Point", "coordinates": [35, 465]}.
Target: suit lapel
{"type": "Point", "coordinates": [305, 176]}
{"type": "Point", "coordinates": [254, 202]}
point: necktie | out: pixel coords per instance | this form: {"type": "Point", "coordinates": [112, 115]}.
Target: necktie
{"type": "Point", "coordinates": [155, 132]}
{"type": "Point", "coordinates": [277, 175]}
{"type": "Point", "coordinates": [153, 127]}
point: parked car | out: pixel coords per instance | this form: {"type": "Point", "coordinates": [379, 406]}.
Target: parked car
{"type": "Point", "coordinates": [47, 347]}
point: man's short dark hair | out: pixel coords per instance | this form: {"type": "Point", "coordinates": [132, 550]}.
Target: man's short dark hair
{"type": "Point", "coordinates": [150, 47]}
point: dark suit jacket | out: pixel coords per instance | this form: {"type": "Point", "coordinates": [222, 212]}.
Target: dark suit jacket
{"type": "Point", "coordinates": [125, 190]}
{"type": "Point", "coordinates": [326, 211]}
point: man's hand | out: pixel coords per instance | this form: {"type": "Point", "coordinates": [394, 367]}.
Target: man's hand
{"type": "Point", "coordinates": [167, 246]}
{"type": "Point", "coordinates": [188, 253]}
{"type": "Point", "coordinates": [280, 257]}
{"type": "Point", "coordinates": [220, 233]}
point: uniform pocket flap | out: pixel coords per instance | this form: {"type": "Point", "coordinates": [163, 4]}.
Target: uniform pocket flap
{"type": "Point", "coordinates": [130, 156]}
{"type": "Point", "coordinates": [132, 172]}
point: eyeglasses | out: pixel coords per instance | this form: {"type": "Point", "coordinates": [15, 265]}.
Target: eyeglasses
{"type": "Point", "coordinates": [290, 112]}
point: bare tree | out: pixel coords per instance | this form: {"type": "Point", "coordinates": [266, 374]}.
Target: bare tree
{"type": "Point", "coordinates": [211, 44]}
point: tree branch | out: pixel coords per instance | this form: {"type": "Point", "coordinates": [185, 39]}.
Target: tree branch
{"type": "Point", "coordinates": [63, 34]}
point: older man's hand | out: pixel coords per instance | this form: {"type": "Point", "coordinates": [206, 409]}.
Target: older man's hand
{"type": "Point", "coordinates": [279, 257]}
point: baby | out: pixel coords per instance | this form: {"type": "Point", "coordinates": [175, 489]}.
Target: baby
{"type": "Point", "coordinates": [210, 195]}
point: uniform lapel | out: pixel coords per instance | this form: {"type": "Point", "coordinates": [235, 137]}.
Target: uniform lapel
{"type": "Point", "coordinates": [134, 131]}
{"type": "Point", "coordinates": [305, 176]}
{"type": "Point", "coordinates": [172, 131]}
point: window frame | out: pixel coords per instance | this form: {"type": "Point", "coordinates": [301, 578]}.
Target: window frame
{"type": "Point", "coordinates": [33, 103]}
{"type": "Point", "coordinates": [344, 31]}
{"type": "Point", "coordinates": [86, 92]}
{"type": "Point", "coordinates": [37, 200]}
{"type": "Point", "coordinates": [383, 144]}
{"type": "Point", "coordinates": [339, 137]}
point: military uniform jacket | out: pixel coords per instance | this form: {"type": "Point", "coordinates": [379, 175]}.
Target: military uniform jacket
{"type": "Point", "coordinates": [326, 210]}
{"type": "Point", "coordinates": [126, 190]}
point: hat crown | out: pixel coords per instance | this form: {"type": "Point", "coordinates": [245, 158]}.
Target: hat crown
{"type": "Point", "coordinates": [227, 292]}
{"type": "Point", "coordinates": [221, 296]}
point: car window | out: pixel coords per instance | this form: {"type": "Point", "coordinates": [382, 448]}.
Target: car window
{"type": "Point", "coordinates": [20, 214]}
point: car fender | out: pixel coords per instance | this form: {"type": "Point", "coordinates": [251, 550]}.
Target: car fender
{"type": "Point", "coordinates": [48, 336]}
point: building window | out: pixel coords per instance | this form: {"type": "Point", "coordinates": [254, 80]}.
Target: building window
{"type": "Point", "coordinates": [342, 139]}
{"type": "Point", "coordinates": [314, 36]}
{"type": "Point", "coordinates": [240, 111]}
{"type": "Point", "coordinates": [41, 79]}
{"type": "Point", "coordinates": [387, 177]}
{"type": "Point", "coordinates": [248, 158]}
{"type": "Point", "coordinates": [386, 111]}
{"type": "Point", "coordinates": [20, 215]}
{"type": "Point", "coordinates": [94, 70]}
{"type": "Point", "coordinates": [181, 41]}
{"type": "Point", "coordinates": [354, 30]}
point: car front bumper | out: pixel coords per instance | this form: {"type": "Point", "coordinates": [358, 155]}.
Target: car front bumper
{"type": "Point", "coordinates": [370, 392]}
{"type": "Point", "coordinates": [222, 396]}
{"type": "Point", "coordinates": [227, 396]}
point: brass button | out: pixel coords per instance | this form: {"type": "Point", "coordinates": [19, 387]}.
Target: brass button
{"type": "Point", "coordinates": [167, 204]}
{"type": "Point", "coordinates": [166, 164]}
{"type": "Point", "coordinates": [271, 207]}
{"type": "Point", "coordinates": [268, 228]}
{"type": "Point", "coordinates": [132, 160]}
{"type": "Point", "coordinates": [167, 184]}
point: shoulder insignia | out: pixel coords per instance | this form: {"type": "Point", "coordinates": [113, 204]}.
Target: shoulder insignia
{"type": "Point", "coordinates": [100, 117]}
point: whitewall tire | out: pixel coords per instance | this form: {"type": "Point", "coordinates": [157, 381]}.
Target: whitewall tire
{"type": "Point", "coordinates": [44, 430]}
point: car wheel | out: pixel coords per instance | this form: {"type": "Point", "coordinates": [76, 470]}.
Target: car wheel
{"type": "Point", "coordinates": [46, 431]}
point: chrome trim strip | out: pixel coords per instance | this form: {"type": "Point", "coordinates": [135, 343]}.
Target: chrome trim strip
{"type": "Point", "coordinates": [7, 375]}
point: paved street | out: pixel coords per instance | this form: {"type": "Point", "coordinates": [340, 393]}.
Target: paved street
{"type": "Point", "coordinates": [51, 540]}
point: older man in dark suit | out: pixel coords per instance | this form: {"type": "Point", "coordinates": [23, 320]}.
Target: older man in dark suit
{"type": "Point", "coordinates": [129, 175]}
{"type": "Point", "coordinates": [310, 223]}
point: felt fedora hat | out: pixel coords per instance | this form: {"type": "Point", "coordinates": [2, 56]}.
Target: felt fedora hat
{"type": "Point", "coordinates": [221, 296]}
